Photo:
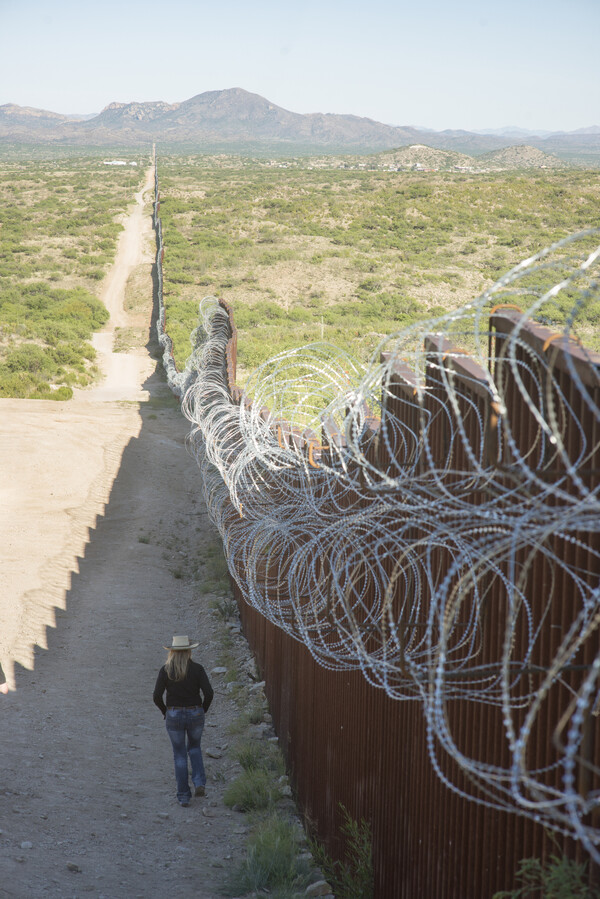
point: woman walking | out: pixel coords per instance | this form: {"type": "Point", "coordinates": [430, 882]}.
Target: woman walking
{"type": "Point", "coordinates": [189, 695]}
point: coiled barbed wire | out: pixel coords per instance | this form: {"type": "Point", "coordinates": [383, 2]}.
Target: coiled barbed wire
{"type": "Point", "coordinates": [433, 519]}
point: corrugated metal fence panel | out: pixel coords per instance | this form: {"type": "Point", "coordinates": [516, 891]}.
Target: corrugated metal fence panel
{"type": "Point", "coordinates": [348, 744]}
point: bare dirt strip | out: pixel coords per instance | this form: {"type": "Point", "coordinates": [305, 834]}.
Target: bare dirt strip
{"type": "Point", "coordinates": [100, 507]}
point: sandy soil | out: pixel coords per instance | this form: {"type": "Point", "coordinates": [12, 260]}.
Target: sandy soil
{"type": "Point", "coordinates": [87, 802]}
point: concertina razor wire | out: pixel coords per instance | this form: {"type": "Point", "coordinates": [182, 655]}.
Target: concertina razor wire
{"type": "Point", "coordinates": [395, 519]}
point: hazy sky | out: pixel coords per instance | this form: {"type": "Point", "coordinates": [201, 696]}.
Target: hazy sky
{"type": "Point", "coordinates": [434, 63]}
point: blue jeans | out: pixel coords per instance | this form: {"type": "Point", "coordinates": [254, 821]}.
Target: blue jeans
{"type": "Point", "coordinates": [182, 723]}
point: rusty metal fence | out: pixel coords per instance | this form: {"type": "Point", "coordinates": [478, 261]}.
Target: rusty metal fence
{"type": "Point", "coordinates": [349, 744]}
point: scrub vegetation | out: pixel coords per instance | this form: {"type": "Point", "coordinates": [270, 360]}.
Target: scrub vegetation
{"type": "Point", "coordinates": [348, 256]}
{"type": "Point", "coordinates": [557, 878]}
{"type": "Point", "coordinates": [277, 859]}
{"type": "Point", "coordinates": [351, 878]}
{"type": "Point", "coordinates": [59, 223]}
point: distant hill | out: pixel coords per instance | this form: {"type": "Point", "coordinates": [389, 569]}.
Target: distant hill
{"type": "Point", "coordinates": [419, 157]}
{"type": "Point", "coordinates": [19, 121]}
{"type": "Point", "coordinates": [234, 117]}
{"type": "Point", "coordinates": [237, 121]}
{"type": "Point", "coordinates": [424, 157]}
{"type": "Point", "coordinates": [519, 157]}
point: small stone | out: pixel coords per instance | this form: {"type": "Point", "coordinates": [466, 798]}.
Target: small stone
{"type": "Point", "coordinates": [123, 815]}
{"type": "Point", "coordinates": [219, 671]}
{"type": "Point", "coordinates": [240, 830]}
{"type": "Point", "coordinates": [163, 815]}
{"type": "Point", "coordinates": [208, 812]}
{"type": "Point", "coordinates": [320, 888]}
{"type": "Point", "coordinates": [26, 844]}
{"type": "Point", "coordinates": [214, 754]}
{"type": "Point", "coordinates": [20, 858]}
{"type": "Point", "coordinates": [286, 791]}
{"type": "Point", "coordinates": [260, 729]}
{"type": "Point", "coordinates": [73, 867]}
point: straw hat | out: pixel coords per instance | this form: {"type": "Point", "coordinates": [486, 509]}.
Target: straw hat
{"type": "Point", "coordinates": [182, 643]}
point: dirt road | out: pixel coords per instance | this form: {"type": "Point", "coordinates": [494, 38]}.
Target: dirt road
{"type": "Point", "coordinates": [103, 512]}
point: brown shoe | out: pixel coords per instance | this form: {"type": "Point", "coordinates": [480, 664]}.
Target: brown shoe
{"type": "Point", "coordinates": [200, 791]}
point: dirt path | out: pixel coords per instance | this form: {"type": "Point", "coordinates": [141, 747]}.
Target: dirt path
{"type": "Point", "coordinates": [103, 522]}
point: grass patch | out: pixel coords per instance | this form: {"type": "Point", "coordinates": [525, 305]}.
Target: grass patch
{"type": "Point", "coordinates": [127, 339]}
{"type": "Point", "coordinates": [272, 864]}
{"type": "Point", "coordinates": [215, 576]}
{"type": "Point", "coordinates": [254, 790]}
{"type": "Point", "coordinates": [162, 401]}
{"type": "Point", "coordinates": [256, 755]}
{"type": "Point", "coordinates": [252, 715]}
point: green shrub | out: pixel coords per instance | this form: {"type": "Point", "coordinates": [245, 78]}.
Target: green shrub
{"type": "Point", "coordinates": [253, 790]}
{"type": "Point", "coordinates": [255, 755]}
{"type": "Point", "coordinates": [250, 756]}
{"type": "Point", "coordinates": [63, 393]}
{"type": "Point", "coordinates": [558, 878]}
{"type": "Point", "coordinates": [29, 358]}
{"type": "Point", "coordinates": [272, 864]}
{"type": "Point", "coordinates": [351, 878]}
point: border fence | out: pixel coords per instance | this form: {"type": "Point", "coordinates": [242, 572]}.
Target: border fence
{"type": "Point", "coordinates": [348, 743]}
{"type": "Point", "coordinates": [441, 680]}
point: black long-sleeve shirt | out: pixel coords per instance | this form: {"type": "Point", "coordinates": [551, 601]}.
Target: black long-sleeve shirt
{"type": "Point", "coordinates": [194, 689]}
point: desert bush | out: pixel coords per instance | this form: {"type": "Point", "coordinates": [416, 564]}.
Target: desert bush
{"type": "Point", "coordinates": [253, 790]}
{"type": "Point", "coordinates": [558, 878]}
{"type": "Point", "coordinates": [352, 877]}
{"type": "Point", "coordinates": [272, 864]}
{"type": "Point", "coordinates": [276, 236]}
{"type": "Point", "coordinates": [58, 235]}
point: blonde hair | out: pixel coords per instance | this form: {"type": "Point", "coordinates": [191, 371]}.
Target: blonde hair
{"type": "Point", "coordinates": [177, 663]}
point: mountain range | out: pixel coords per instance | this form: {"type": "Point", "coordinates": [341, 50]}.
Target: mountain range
{"type": "Point", "coordinates": [238, 121]}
